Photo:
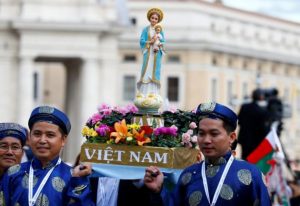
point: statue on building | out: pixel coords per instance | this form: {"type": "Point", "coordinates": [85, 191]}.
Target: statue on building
{"type": "Point", "coordinates": [148, 98]}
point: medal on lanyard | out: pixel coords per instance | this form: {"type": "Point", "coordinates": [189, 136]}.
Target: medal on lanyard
{"type": "Point", "coordinates": [217, 192]}
{"type": "Point", "coordinates": [32, 199]}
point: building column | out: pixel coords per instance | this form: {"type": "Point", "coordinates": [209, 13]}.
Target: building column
{"type": "Point", "coordinates": [25, 90]}
{"type": "Point", "coordinates": [110, 79]}
{"type": "Point", "coordinates": [85, 100]}
{"type": "Point", "coordinates": [90, 89]}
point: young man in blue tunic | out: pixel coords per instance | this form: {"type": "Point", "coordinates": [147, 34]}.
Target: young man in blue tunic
{"type": "Point", "coordinates": [47, 180]}
{"type": "Point", "coordinates": [220, 179]}
{"type": "Point", "coordinates": [12, 140]}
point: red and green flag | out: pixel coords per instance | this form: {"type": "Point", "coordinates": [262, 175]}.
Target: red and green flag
{"type": "Point", "coordinates": [263, 154]}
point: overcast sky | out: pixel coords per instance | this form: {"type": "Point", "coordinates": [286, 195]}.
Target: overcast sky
{"type": "Point", "coordinates": [286, 9]}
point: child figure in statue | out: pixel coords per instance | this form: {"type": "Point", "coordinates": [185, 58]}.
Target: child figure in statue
{"type": "Point", "coordinates": [157, 45]}
{"type": "Point", "coordinates": [148, 98]}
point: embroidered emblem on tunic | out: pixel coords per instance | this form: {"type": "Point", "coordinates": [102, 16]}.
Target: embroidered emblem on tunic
{"type": "Point", "coordinates": [17, 204]}
{"type": "Point", "coordinates": [186, 178]}
{"type": "Point", "coordinates": [244, 176]}
{"type": "Point", "coordinates": [42, 200]}
{"type": "Point", "coordinates": [226, 192]}
{"type": "Point", "coordinates": [58, 184]}
{"type": "Point", "coordinates": [195, 198]}
{"type": "Point", "coordinates": [212, 171]}
{"type": "Point", "coordinates": [25, 180]}
{"type": "Point", "coordinates": [79, 189]}
{"type": "Point", "coordinates": [13, 170]}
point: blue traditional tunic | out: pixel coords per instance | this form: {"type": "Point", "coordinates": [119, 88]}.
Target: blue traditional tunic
{"type": "Point", "coordinates": [60, 189]}
{"type": "Point", "coordinates": [151, 61]}
{"type": "Point", "coordinates": [243, 185]}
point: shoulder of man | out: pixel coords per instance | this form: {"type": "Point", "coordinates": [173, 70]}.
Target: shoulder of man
{"type": "Point", "coordinates": [15, 169]}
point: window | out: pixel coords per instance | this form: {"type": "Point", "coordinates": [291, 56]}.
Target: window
{"type": "Point", "coordinates": [174, 58]}
{"type": "Point", "coordinates": [230, 62]}
{"type": "Point", "coordinates": [133, 21]}
{"type": "Point", "coordinates": [129, 58]}
{"type": "Point", "coordinates": [129, 88]}
{"type": "Point", "coordinates": [35, 85]}
{"type": "Point", "coordinates": [245, 64]}
{"type": "Point", "coordinates": [214, 61]}
{"type": "Point", "coordinates": [259, 67]}
{"type": "Point", "coordinates": [173, 89]}
{"type": "Point", "coordinates": [274, 69]}
{"type": "Point", "coordinates": [214, 90]}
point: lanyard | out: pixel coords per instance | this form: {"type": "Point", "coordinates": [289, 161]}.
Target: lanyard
{"type": "Point", "coordinates": [32, 199]}
{"type": "Point", "coordinates": [217, 192]}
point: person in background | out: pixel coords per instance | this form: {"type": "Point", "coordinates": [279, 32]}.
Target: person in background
{"type": "Point", "coordinates": [254, 123]}
{"type": "Point", "coordinates": [295, 198]}
{"type": "Point", "coordinates": [275, 109]}
{"type": "Point", "coordinates": [47, 180]}
{"type": "Point", "coordinates": [220, 179]}
{"type": "Point", "coordinates": [12, 140]}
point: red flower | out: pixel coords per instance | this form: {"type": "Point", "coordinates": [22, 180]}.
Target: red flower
{"type": "Point", "coordinates": [148, 130]}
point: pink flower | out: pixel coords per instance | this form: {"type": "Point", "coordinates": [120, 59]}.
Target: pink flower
{"type": "Point", "coordinates": [122, 110]}
{"type": "Point", "coordinates": [102, 130]}
{"type": "Point", "coordinates": [103, 107]}
{"type": "Point", "coordinates": [165, 131]}
{"type": "Point", "coordinates": [194, 110]}
{"type": "Point", "coordinates": [96, 118]}
{"type": "Point", "coordinates": [193, 125]}
{"type": "Point", "coordinates": [194, 139]}
{"type": "Point", "coordinates": [190, 132]}
{"type": "Point", "coordinates": [173, 126]}
{"type": "Point", "coordinates": [132, 108]}
{"type": "Point", "coordinates": [186, 138]}
{"type": "Point", "coordinates": [172, 109]}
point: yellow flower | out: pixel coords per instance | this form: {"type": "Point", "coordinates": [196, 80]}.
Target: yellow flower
{"type": "Point", "coordinates": [94, 133]}
{"type": "Point", "coordinates": [85, 131]}
{"type": "Point", "coordinates": [121, 131]}
{"type": "Point", "coordinates": [134, 126]}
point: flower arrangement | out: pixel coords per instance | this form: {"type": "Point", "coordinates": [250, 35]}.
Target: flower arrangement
{"type": "Point", "coordinates": [112, 125]}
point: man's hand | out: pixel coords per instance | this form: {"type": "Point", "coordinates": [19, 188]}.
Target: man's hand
{"type": "Point", "coordinates": [153, 179]}
{"type": "Point", "coordinates": [81, 170]}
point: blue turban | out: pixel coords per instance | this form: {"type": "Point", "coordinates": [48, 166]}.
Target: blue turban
{"type": "Point", "coordinates": [51, 115]}
{"type": "Point", "coordinates": [9, 129]}
{"type": "Point", "coordinates": [215, 110]}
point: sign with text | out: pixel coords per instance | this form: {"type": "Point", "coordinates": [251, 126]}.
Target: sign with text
{"type": "Point", "coordinates": [178, 157]}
